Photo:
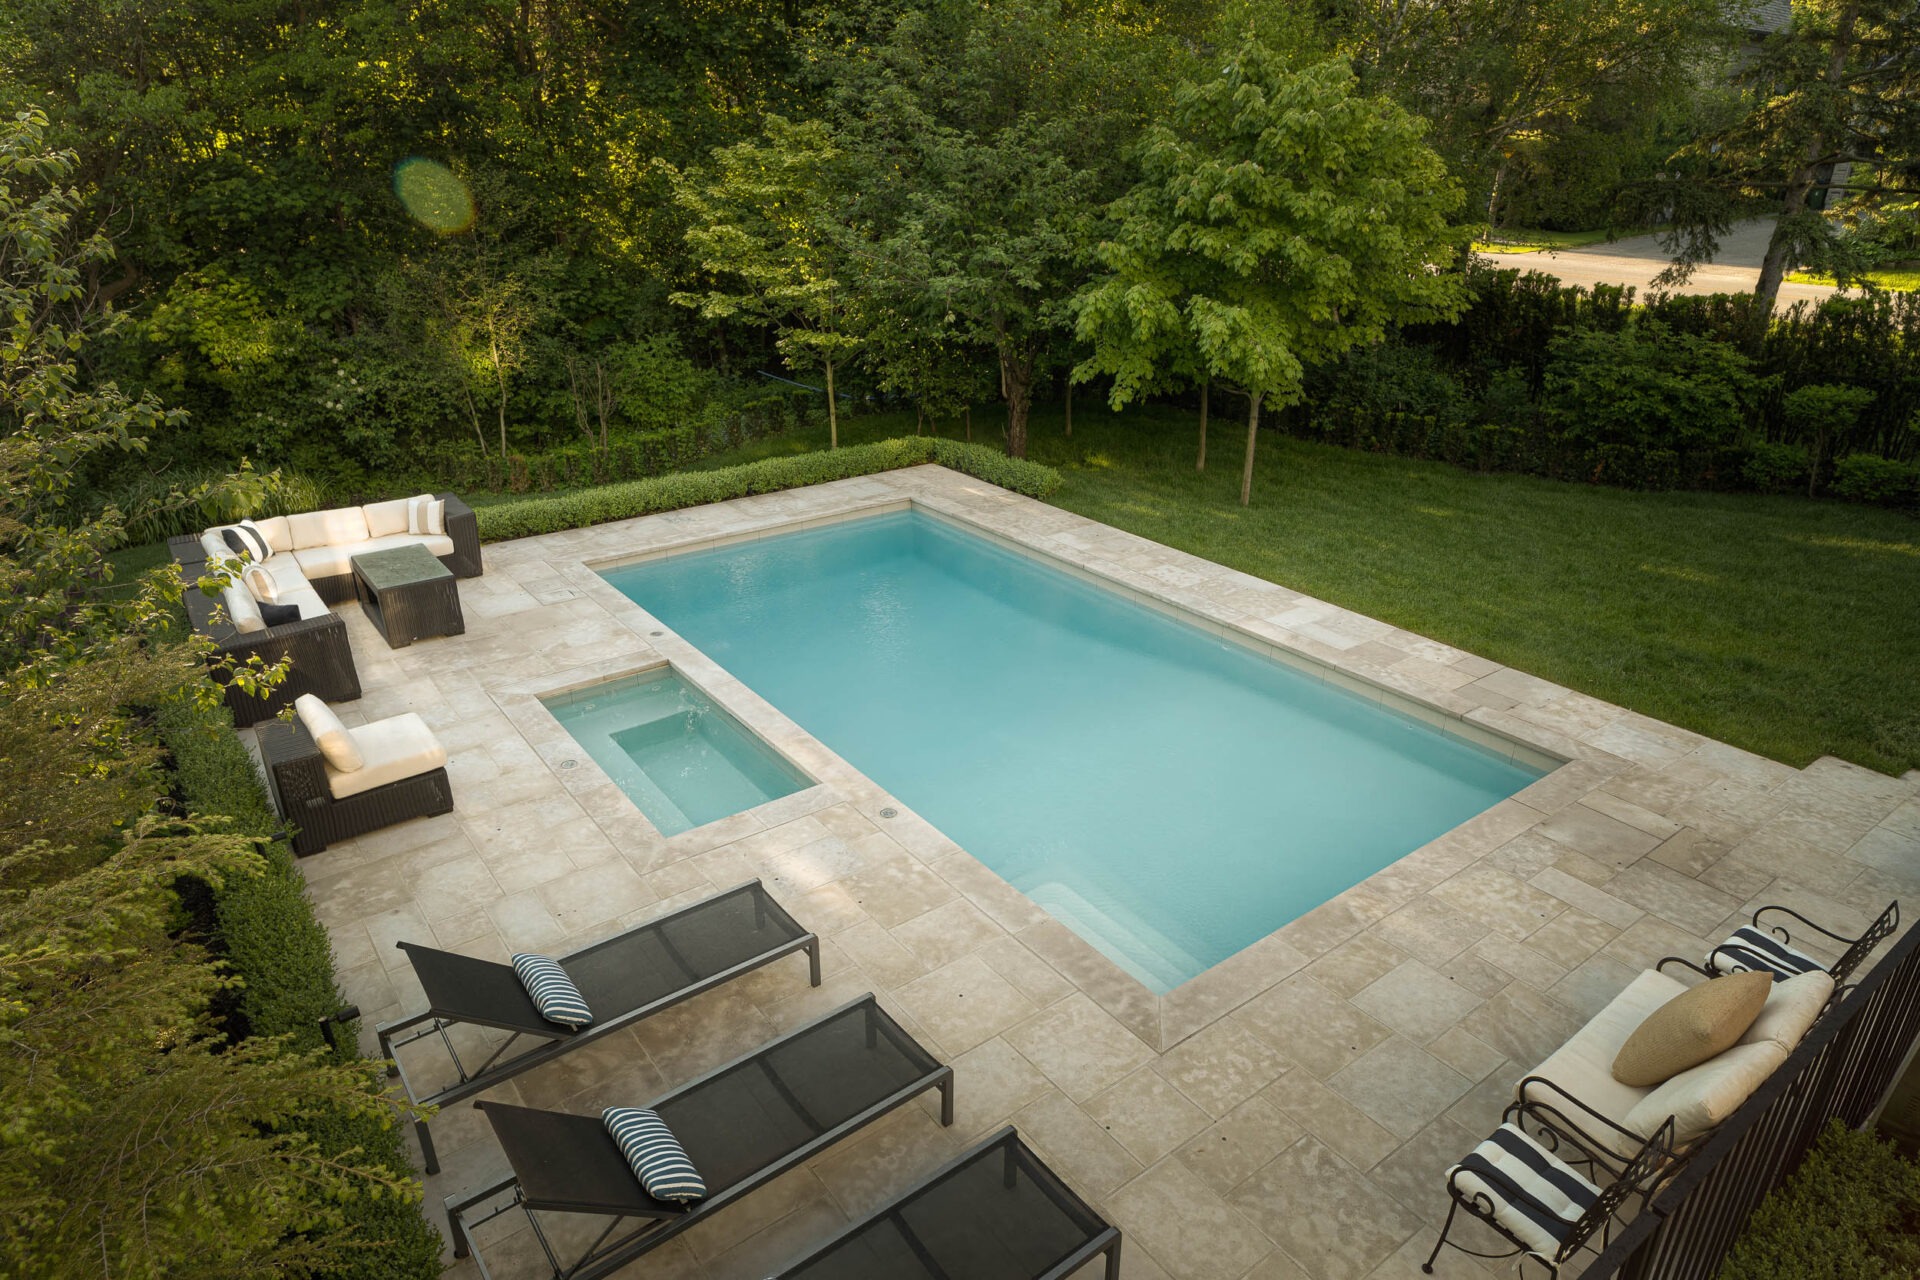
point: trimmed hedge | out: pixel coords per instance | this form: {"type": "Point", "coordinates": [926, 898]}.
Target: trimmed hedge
{"type": "Point", "coordinates": [1851, 1212]}
{"type": "Point", "coordinates": [770, 475]}
{"type": "Point", "coordinates": [270, 937]}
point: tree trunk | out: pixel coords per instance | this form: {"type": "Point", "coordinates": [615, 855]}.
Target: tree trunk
{"type": "Point", "coordinates": [1069, 404]}
{"type": "Point", "coordinates": [919, 416]}
{"type": "Point", "coordinates": [966, 416]}
{"type": "Point", "coordinates": [833, 412]}
{"type": "Point", "coordinates": [1793, 201]}
{"type": "Point", "coordinates": [1253, 433]}
{"type": "Point", "coordinates": [1200, 463]}
{"type": "Point", "coordinates": [500, 375]}
{"type": "Point", "coordinates": [1016, 376]}
{"type": "Point", "coordinates": [473, 412]}
{"type": "Point", "coordinates": [1493, 195]}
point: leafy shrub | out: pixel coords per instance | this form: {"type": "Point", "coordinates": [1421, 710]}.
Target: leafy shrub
{"type": "Point", "coordinates": [270, 938]}
{"type": "Point", "coordinates": [1646, 388]}
{"type": "Point", "coordinates": [1865, 478]}
{"type": "Point", "coordinates": [1774, 468]}
{"type": "Point", "coordinates": [1851, 1212]}
{"type": "Point", "coordinates": [771, 475]}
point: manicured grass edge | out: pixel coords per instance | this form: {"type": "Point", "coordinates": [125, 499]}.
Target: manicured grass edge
{"type": "Point", "coordinates": [770, 475]}
{"type": "Point", "coordinates": [1852, 1209]}
{"type": "Point", "coordinates": [275, 944]}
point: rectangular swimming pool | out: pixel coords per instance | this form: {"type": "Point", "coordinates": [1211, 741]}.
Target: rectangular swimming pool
{"type": "Point", "coordinates": [1169, 795]}
{"type": "Point", "coordinates": [683, 761]}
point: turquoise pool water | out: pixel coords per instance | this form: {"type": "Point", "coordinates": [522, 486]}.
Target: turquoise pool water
{"type": "Point", "coordinates": [682, 760]}
{"type": "Point", "coordinates": [1170, 796]}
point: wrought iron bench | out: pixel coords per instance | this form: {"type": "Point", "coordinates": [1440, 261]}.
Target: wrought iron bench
{"type": "Point", "coordinates": [1758, 946]}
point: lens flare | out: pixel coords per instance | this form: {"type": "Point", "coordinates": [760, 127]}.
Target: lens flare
{"type": "Point", "coordinates": [434, 195]}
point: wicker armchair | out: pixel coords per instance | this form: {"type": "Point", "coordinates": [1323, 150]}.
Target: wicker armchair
{"type": "Point", "coordinates": [322, 659]}
{"type": "Point", "coordinates": [305, 799]}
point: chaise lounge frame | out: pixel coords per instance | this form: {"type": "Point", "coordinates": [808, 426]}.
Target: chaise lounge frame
{"type": "Point", "coordinates": [1855, 954]}
{"type": "Point", "coordinates": [1102, 1236]}
{"type": "Point", "coordinates": [450, 981]}
{"type": "Point", "coordinates": [661, 1221]}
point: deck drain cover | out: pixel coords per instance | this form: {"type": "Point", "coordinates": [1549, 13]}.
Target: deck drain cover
{"type": "Point", "coordinates": [656, 633]}
{"type": "Point", "coordinates": [568, 764]}
{"type": "Point", "coordinates": [888, 813]}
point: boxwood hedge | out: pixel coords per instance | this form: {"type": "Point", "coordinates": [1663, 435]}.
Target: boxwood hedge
{"type": "Point", "coordinates": [1850, 1212]}
{"type": "Point", "coordinates": [770, 475]}
{"type": "Point", "coordinates": [267, 932]}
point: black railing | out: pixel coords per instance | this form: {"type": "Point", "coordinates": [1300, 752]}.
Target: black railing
{"type": "Point", "coordinates": [1842, 1070]}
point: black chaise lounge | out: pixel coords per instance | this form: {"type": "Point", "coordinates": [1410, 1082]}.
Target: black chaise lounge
{"type": "Point", "coordinates": [741, 1125]}
{"type": "Point", "coordinates": [995, 1213]}
{"type": "Point", "coordinates": [630, 976]}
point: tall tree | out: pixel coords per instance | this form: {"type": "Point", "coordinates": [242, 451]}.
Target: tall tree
{"type": "Point", "coordinates": [770, 220]}
{"type": "Point", "coordinates": [1282, 219]}
{"type": "Point", "coordinates": [1830, 130]}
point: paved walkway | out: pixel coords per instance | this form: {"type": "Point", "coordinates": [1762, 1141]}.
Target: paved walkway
{"type": "Point", "coordinates": [1636, 260]}
{"type": "Point", "coordinates": [1288, 1114]}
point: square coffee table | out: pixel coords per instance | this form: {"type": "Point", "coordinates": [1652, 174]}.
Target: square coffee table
{"type": "Point", "coordinates": [408, 595]}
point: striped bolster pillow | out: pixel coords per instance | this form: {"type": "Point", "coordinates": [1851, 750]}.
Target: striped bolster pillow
{"type": "Point", "coordinates": [657, 1157]}
{"type": "Point", "coordinates": [1757, 950]}
{"type": "Point", "coordinates": [551, 990]}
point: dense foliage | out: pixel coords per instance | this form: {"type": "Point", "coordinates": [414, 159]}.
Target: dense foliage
{"type": "Point", "coordinates": [363, 242]}
{"type": "Point", "coordinates": [1850, 1212]}
{"type": "Point", "coordinates": [693, 488]}
{"type": "Point", "coordinates": [146, 1136]}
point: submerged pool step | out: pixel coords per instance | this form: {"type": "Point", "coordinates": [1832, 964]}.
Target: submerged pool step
{"type": "Point", "coordinates": [1124, 938]}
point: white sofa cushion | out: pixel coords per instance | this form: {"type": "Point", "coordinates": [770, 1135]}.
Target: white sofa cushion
{"type": "Point", "coordinates": [336, 742]}
{"type": "Point", "coordinates": [385, 518]}
{"type": "Point", "coordinates": [279, 536]}
{"type": "Point", "coordinates": [328, 562]}
{"type": "Point", "coordinates": [215, 547]}
{"type": "Point", "coordinates": [398, 747]}
{"type": "Point", "coordinates": [426, 514]}
{"type": "Point", "coordinates": [1790, 1011]}
{"type": "Point", "coordinates": [1701, 1098]}
{"type": "Point", "coordinates": [1583, 1066]}
{"type": "Point", "coordinates": [307, 600]}
{"type": "Point", "coordinates": [242, 610]}
{"type": "Point", "coordinates": [328, 528]}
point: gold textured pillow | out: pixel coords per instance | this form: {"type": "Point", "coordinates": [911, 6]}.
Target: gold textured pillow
{"type": "Point", "coordinates": [1699, 1023]}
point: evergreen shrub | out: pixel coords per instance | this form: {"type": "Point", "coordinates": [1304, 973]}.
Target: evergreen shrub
{"type": "Point", "coordinates": [1850, 1212]}
{"type": "Point", "coordinates": [770, 475]}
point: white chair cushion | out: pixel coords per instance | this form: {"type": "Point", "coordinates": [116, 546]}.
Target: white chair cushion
{"type": "Point", "coordinates": [328, 528]}
{"type": "Point", "coordinates": [242, 610]}
{"type": "Point", "coordinates": [1535, 1194]}
{"type": "Point", "coordinates": [1790, 1011]}
{"type": "Point", "coordinates": [215, 546]}
{"type": "Point", "coordinates": [1701, 1098]}
{"type": "Point", "coordinates": [1583, 1066]}
{"type": "Point", "coordinates": [385, 518]}
{"type": "Point", "coordinates": [398, 747]}
{"type": "Point", "coordinates": [279, 535]}
{"type": "Point", "coordinates": [336, 743]}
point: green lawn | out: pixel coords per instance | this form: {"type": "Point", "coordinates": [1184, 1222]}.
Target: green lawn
{"type": "Point", "coordinates": [1901, 279]}
{"type": "Point", "coordinates": [1518, 240]}
{"type": "Point", "coordinates": [1781, 625]}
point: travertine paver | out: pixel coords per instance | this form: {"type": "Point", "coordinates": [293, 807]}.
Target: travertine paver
{"type": "Point", "coordinates": [1288, 1114]}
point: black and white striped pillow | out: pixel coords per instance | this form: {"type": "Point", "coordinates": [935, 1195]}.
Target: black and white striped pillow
{"type": "Point", "coordinates": [1755, 949]}
{"type": "Point", "coordinates": [551, 990]}
{"type": "Point", "coordinates": [657, 1157]}
{"type": "Point", "coordinates": [246, 541]}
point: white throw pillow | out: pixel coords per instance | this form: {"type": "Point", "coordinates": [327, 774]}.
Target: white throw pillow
{"type": "Point", "coordinates": [426, 515]}
{"type": "Point", "coordinates": [333, 738]}
{"type": "Point", "coordinates": [385, 519]}
{"type": "Point", "coordinates": [1791, 1009]}
{"type": "Point", "coordinates": [261, 584]}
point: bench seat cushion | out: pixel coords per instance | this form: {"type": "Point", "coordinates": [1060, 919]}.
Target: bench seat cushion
{"type": "Point", "coordinates": [1583, 1066]}
{"type": "Point", "coordinates": [334, 561]}
{"type": "Point", "coordinates": [398, 747]}
{"type": "Point", "coordinates": [327, 528]}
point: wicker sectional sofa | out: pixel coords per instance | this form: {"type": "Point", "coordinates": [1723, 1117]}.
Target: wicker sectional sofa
{"type": "Point", "coordinates": [311, 562]}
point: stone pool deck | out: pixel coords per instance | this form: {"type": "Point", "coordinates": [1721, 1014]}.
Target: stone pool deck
{"type": "Point", "coordinates": [1287, 1114]}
